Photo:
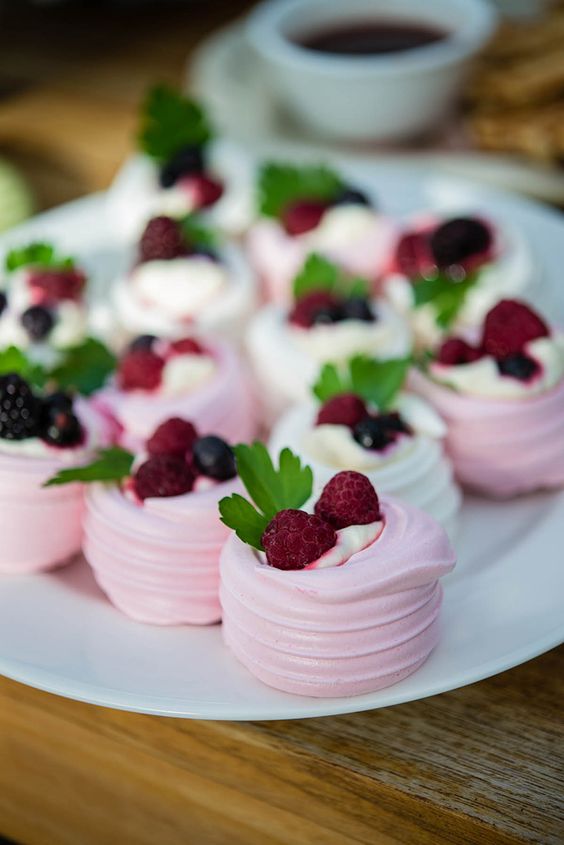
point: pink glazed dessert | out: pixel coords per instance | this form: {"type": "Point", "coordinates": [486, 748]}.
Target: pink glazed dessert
{"type": "Point", "coordinates": [341, 602]}
{"type": "Point", "coordinates": [503, 402]}
{"type": "Point", "coordinates": [38, 437]}
{"type": "Point", "coordinates": [311, 209]}
{"type": "Point", "coordinates": [203, 381]}
{"type": "Point", "coordinates": [154, 540]}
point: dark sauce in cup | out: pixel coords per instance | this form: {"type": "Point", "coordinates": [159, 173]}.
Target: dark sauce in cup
{"type": "Point", "coordinates": [371, 38]}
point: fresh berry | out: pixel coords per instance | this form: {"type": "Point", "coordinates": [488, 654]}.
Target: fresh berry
{"type": "Point", "coordinates": [58, 424]}
{"type": "Point", "coordinates": [163, 475]}
{"type": "Point", "coordinates": [348, 499]}
{"type": "Point", "coordinates": [457, 240]}
{"type": "Point", "coordinates": [3, 301]}
{"type": "Point", "coordinates": [185, 161]}
{"type": "Point", "coordinates": [413, 257]}
{"type": "Point", "coordinates": [351, 196]}
{"type": "Point", "coordinates": [394, 422]}
{"type": "Point", "coordinates": [140, 370]}
{"type": "Point", "coordinates": [301, 217]}
{"type": "Point", "coordinates": [519, 366]}
{"type": "Point", "coordinates": [142, 343]}
{"type": "Point", "coordinates": [456, 351]}
{"type": "Point", "coordinates": [358, 308]}
{"type": "Point", "coordinates": [295, 538]}
{"type": "Point", "coordinates": [316, 307]}
{"type": "Point", "coordinates": [509, 326]}
{"type": "Point", "coordinates": [162, 240]}
{"type": "Point", "coordinates": [173, 437]}
{"type": "Point", "coordinates": [206, 252]}
{"type": "Point", "coordinates": [372, 433]}
{"type": "Point", "coordinates": [214, 457]}
{"type": "Point", "coordinates": [187, 346]}
{"type": "Point", "coordinates": [344, 409]}
{"type": "Point", "coordinates": [206, 190]}
{"type": "Point", "coordinates": [37, 321]}
{"type": "Point", "coordinates": [49, 286]}
{"type": "Point", "coordinates": [19, 409]}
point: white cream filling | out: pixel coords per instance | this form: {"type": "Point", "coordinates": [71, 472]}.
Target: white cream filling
{"type": "Point", "coordinates": [482, 377]}
{"type": "Point", "coordinates": [350, 540]}
{"type": "Point", "coordinates": [181, 287]}
{"type": "Point", "coordinates": [340, 226]}
{"type": "Point", "coordinates": [183, 374]}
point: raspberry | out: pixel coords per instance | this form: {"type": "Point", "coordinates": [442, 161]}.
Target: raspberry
{"type": "Point", "coordinates": [187, 346]}
{"type": "Point", "coordinates": [162, 240]}
{"type": "Point", "coordinates": [37, 321]}
{"type": "Point", "coordinates": [56, 285]}
{"type": "Point", "coordinates": [509, 326]}
{"type": "Point", "coordinates": [303, 216]}
{"type": "Point", "coordinates": [163, 475]}
{"type": "Point", "coordinates": [308, 309]}
{"type": "Point", "coordinates": [348, 499]}
{"type": "Point", "coordinates": [19, 409]}
{"type": "Point", "coordinates": [140, 370]}
{"type": "Point", "coordinates": [459, 239]}
{"type": "Point", "coordinates": [344, 409]}
{"type": "Point", "coordinates": [456, 351]}
{"type": "Point", "coordinates": [173, 437]}
{"type": "Point", "coordinates": [206, 190]}
{"type": "Point", "coordinates": [295, 538]}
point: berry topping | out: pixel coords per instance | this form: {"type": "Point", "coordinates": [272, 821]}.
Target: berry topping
{"type": "Point", "coordinates": [56, 285]}
{"type": "Point", "coordinates": [456, 351]}
{"type": "Point", "coordinates": [344, 409]}
{"type": "Point", "coordinates": [19, 409]}
{"type": "Point", "coordinates": [301, 217]}
{"type": "Point", "coordinates": [457, 240]}
{"type": "Point", "coordinates": [358, 308]}
{"type": "Point", "coordinates": [59, 425]}
{"type": "Point", "coordinates": [187, 346]}
{"type": "Point", "coordinates": [215, 458]}
{"type": "Point", "coordinates": [3, 301]}
{"type": "Point", "coordinates": [518, 366]}
{"type": "Point", "coordinates": [348, 499]}
{"type": "Point", "coordinates": [295, 538]}
{"type": "Point", "coordinates": [351, 196]}
{"type": "Point", "coordinates": [140, 370]}
{"type": "Point", "coordinates": [187, 160]}
{"type": "Point", "coordinates": [413, 257]}
{"type": "Point", "coordinates": [173, 437]}
{"type": "Point", "coordinates": [37, 321]}
{"type": "Point", "coordinates": [374, 433]}
{"type": "Point", "coordinates": [142, 343]}
{"type": "Point", "coordinates": [163, 475]}
{"type": "Point", "coordinates": [316, 308]}
{"type": "Point", "coordinates": [162, 240]}
{"type": "Point", "coordinates": [207, 191]}
{"type": "Point", "coordinates": [509, 326]}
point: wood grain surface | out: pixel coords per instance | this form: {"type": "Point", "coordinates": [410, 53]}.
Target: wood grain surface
{"type": "Point", "coordinates": [483, 764]}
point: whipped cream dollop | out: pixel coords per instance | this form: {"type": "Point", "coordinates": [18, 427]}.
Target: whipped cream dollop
{"type": "Point", "coordinates": [183, 374]}
{"type": "Point", "coordinates": [350, 540]}
{"type": "Point", "coordinates": [180, 287]}
{"type": "Point", "coordinates": [339, 226]}
{"type": "Point", "coordinates": [483, 378]}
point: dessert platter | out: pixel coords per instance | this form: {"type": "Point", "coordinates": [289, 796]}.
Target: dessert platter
{"type": "Point", "coordinates": [281, 434]}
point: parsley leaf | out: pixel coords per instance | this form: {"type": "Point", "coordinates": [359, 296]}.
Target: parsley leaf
{"type": "Point", "coordinates": [13, 360]}
{"type": "Point", "coordinates": [39, 255]}
{"type": "Point", "coordinates": [197, 234]}
{"type": "Point", "coordinates": [170, 121]}
{"type": "Point", "coordinates": [374, 381]}
{"type": "Point", "coordinates": [445, 295]}
{"type": "Point", "coordinates": [281, 184]}
{"type": "Point", "coordinates": [113, 464]}
{"type": "Point", "coordinates": [270, 489]}
{"type": "Point", "coordinates": [85, 368]}
{"type": "Point", "coordinates": [318, 273]}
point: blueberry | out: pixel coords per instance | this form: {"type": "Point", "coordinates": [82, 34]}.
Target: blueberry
{"type": "Point", "coordinates": [459, 239]}
{"type": "Point", "coordinates": [358, 308]}
{"type": "Point", "coordinates": [518, 366]}
{"type": "Point", "coordinates": [187, 160]}
{"type": "Point", "coordinates": [37, 321]}
{"type": "Point", "coordinates": [214, 457]}
{"type": "Point", "coordinates": [351, 196]}
{"type": "Point", "coordinates": [372, 434]}
{"type": "Point", "coordinates": [3, 301]}
{"type": "Point", "coordinates": [326, 314]}
{"type": "Point", "coordinates": [393, 422]}
{"type": "Point", "coordinates": [206, 252]}
{"type": "Point", "coordinates": [59, 425]}
{"type": "Point", "coordinates": [143, 343]}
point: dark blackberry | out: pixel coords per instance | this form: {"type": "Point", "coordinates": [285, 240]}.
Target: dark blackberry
{"type": "Point", "coordinates": [186, 161]}
{"type": "Point", "coordinates": [459, 239]}
{"type": "Point", "coordinates": [38, 322]}
{"type": "Point", "coordinates": [19, 409]}
{"type": "Point", "coordinates": [518, 366]}
{"type": "Point", "coordinates": [58, 424]}
{"type": "Point", "coordinates": [214, 457]}
{"type": "Point", "coordinates": [358, 308]}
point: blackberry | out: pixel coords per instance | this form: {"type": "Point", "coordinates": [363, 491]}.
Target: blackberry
{"type": "Point", "coordinates": [58, 424]}
{"type": "Point", "coordinates": [326, 314]}
{"type": "Point", "coordinates": [38, 322]}
{"type": "Point", "coordinates": [518, 366]}
{"type": "Point", "coordinates": [214, 457]}
{"type": "Point", "coordinates": [19, 409]}
{"type": "Point", "coordinates": [186, 161]}
{"type": "Point", "coordinates": [358, 308]}
{"type": "Point", "coordinates": [459, 239]}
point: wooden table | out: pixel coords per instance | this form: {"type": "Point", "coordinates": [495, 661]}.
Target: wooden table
{"type": "Point", "coordinates": [483, 764]}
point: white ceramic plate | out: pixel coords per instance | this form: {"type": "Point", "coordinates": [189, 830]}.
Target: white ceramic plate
{"type": "Point", "coordinates": [503, 603]}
